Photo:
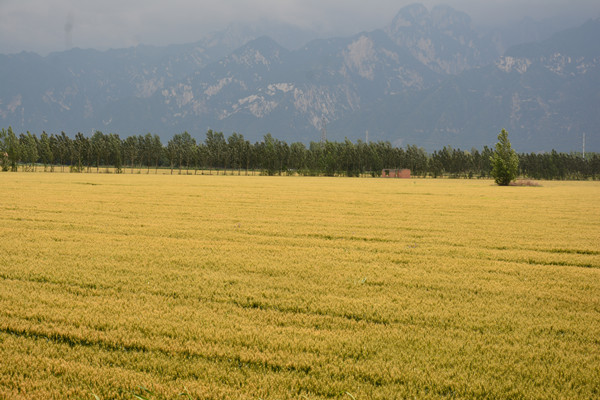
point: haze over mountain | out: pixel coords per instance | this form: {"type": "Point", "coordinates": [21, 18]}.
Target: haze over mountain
{"type": "Point", "coordinates": [47, 26]}
{"type": "Point", "coordinates": [428, 78]}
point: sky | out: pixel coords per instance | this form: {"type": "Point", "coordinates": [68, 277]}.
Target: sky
{"type": "Point", "coordinates": [43, 26]}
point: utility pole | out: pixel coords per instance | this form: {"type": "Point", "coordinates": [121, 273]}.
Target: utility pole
{"type": "Point", "coordinates": [367, 137]}
{"type": "Point", "coordinates": [323, 130]}
{"type": "Point", "coordinates": [584, 145]}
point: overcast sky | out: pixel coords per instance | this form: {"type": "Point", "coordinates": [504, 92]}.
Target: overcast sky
{"type": "Point", "coordinates": [55, 25]}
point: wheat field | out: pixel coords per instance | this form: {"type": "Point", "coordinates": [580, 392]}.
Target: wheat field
{"type": "Point", "coordinates": [241, 287]}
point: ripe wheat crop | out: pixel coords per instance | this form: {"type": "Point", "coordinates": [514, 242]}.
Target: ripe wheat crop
{"type": "Point", "coordinates": [297, 288]}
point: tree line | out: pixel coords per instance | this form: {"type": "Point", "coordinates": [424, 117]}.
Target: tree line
{"type": "Point", "coordinates": [184, 154]}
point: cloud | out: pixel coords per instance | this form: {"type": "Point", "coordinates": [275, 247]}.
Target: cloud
{"type": "Point", "coordinates": [41, 25]}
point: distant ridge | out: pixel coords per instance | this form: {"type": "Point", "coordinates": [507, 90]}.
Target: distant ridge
{"type": "Point", "coordinates": [429, 78]}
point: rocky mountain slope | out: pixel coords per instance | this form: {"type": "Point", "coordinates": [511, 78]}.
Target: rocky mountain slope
{"type": "Point", "coordinates": [428, 79]}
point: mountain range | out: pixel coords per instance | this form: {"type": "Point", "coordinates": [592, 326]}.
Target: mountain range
{"type": "Point", "coordinates": [429, 78]}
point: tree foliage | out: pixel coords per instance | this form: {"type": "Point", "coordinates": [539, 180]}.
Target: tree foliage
{"type": "Point", "coordinates": [272, 156]}
{"type": "Point", "coordinates": [505, 162]}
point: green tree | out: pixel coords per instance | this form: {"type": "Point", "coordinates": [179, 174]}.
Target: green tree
{"type": "Point", "coordinates": [145, 143]}
{"type": "Point", "coordinates": [236, 148]}
{"type": "Point", "coordinates": [80, 150]}
{"type": "Point", "coordinates": [12, 148]}
{"type": "Point", "coordinates": [416, 160]}
{"type": "Point", "coordinates": [98, 146]}
{"type": "Point", "coordinates": [297, 158]}
{"type": "Point", "coordinates": [3, 153]}
{"type": "Point", "coordinates": [187, 148]}
{"type": "Point", "coordinates": [283, 153]}
{"type": "Point", "coordinates": [29, 149]}
{"type": "Point", "coordinates": [173, 153]}
{"type": "Point", "coordinates": [217, 149]}
{"type": "Point", "coordinates": [202, 156]}
{"type": "Point", "coordinates": [157, 151]}
{"type": "Point", "coordinates": [268, 155]}
{"type": "Point", "coordinates": [45, 150]}
{"type": "Point", "coordinates": [181, 148]}
{"type": "Point", "coordinates": [62, 148]}
{"type": "Point", "coordinates": [505, 162]}
{"type": "Point", "coordinates": [114, 145]}
{"type": "Point", "coordinates": [131, 150]}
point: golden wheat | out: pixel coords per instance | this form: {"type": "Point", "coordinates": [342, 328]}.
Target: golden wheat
{"type": "Point", "coordinates": [279, 288]}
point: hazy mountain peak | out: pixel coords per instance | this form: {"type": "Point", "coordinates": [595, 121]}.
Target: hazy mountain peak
{"type": "Point", "coordinates": [441, 17]}
{"type": "Point", "coordinates": [392, 81]}
{"type": "Point", "coordinates": [265, 43]}
{"type": "Point", "coordinates": [411, 15]}
{"type": "Point", "coordinates": [261, 51]}
{"type": "Point", "coordinates": [445, 17]}
{"type": "Point", "coordinates": [443, 38]}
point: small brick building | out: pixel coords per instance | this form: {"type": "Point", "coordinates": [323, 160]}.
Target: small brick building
{"type": "Point", "coordinates": [395, 173]}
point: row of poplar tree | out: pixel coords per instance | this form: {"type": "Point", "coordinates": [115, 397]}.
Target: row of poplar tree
{"type": "Point", "coordinates": [183, 154]}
